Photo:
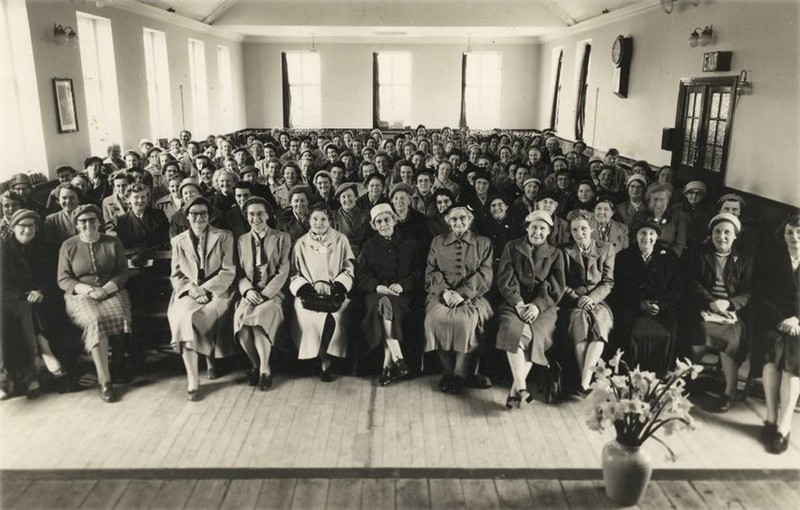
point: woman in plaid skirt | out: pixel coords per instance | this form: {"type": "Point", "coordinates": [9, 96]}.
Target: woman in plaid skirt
{"type": "Point", "coordinates": [92, 271]}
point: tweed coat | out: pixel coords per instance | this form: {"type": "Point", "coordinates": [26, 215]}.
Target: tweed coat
{"type": "Point", "coordinates": [465, 266]}
{"type": "Point", "coordinates": [618, 234]}
{"type": "Point", "coordinates": [206, 329]}
{"type": "Point", "coordinates": [595, 280]}
{"type": "Point", "coordinates": [529, 275]}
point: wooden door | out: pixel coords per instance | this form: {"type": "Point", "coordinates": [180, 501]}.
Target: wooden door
{"type": "Point", "coordinates": [704, 119]}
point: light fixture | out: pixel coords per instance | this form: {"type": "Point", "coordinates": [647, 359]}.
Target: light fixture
{"type": "Point", "coordinates": [701, 36]}
{"type": "Point", "coordinates": [669, 5]}
{"type": "Point", "coordinates": [63, 35]}
{"type": "Point", "coordinates": [743, 87]}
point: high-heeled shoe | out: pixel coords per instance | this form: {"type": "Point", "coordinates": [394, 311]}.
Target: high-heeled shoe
{"type": "Point", "coordinates": [326, 375]}
{"type": "Point", "coordinates": [401, 369]}
{"type": "Point", "coordinates": [386, 377]}
{"type": "Point", "coordinates": [107, 392]}
{"type": "Point", "coordinates": [768, 432]}
{"type": "Point", "coordinates": [193, 395]}
{"type": "Point", "coordinates": [513, 400]}
{"type": "Point", "coordinates": [525, 395]}
{"type": "Point", "coordinates": [264, 382]}
{"type": "Point", "coordinates": [252, 378]}
{"type": "Point", "coordinates": [780, 443]}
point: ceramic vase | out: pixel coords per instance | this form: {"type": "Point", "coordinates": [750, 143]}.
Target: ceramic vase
{"type": "Point", "coordinates": [626, 472]}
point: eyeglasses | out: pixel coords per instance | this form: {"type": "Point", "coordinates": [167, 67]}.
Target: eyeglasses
{"type": "Point", "coordinates": [203, 214]}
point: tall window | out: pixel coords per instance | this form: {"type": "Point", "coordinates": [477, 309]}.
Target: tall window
{"type": "Point", "coordinates": [99, 82]}
{"type": "Point", "coordinates": [225, 87]}
{"type": "Point", "coordinates": [303, 85]}
{"type": "Point", "coordinates": [585, 52]}
{"type": "Point", "coordinates": [394, 89]}
{"type": "Point", "coordinates": [199, 87]}
{"type": "Point", "coordinates": [482, 89]}
{"type": "Point", "coordinates": [158, 89]}
{"type": "Point", "coordinates": [22, 139]}
{"type": "Point", "coordinates": [558, 61]}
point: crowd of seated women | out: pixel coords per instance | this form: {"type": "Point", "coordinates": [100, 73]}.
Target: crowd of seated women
{"type": "Point", "coordinates": [495, 242]}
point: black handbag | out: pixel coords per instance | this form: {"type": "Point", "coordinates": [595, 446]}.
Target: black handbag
{"type": "Point", "coordinates": [317, 302]}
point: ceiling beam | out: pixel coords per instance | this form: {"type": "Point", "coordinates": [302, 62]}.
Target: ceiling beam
{"type": "Point", "coordinates": [219, 11]}
{"type": "Point", "coordinates": [558, 11]}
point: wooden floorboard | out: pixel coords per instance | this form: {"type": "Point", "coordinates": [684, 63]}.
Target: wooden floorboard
{"type": "Point", "coordinates": [105, 494]}
{"type": "Point", "coordinates": [241, 495]}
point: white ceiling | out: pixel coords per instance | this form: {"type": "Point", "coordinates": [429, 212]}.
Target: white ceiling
{"type": "Point", "coordinates": [392, 20]}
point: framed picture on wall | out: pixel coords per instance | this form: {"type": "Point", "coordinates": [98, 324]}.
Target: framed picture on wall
{"type": "Point", "coordinates": [65, 105]}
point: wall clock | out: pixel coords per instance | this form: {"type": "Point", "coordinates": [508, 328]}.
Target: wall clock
{"type": "Point", "coordinates": [621, 54]}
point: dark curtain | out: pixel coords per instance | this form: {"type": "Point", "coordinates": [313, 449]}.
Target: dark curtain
{"type": "Point", "coordinates": [376, 92]}
{"type": "Point", "coordinates": [462, 121]}
{"type": "Point", "coordinates": [287, 93]}
{"type": "Point", "coordinates": [582, 90]}
{"type": "Point", "coordinates": [556, 93]}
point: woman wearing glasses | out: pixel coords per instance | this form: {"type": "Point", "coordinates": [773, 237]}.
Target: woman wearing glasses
{"type": "Point", "coordinates": [200, 309]}
{"type": "Point", "coordinates": [92, 271]}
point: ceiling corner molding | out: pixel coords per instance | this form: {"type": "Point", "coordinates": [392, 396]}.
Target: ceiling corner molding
{"type": "Point", "coordinates": [173, 18]}
{"type": "Point", "coordinates": [602, 20]}
{"type": "Point", "coordinates": [558, 11]}
{"type": "Point", "coordinates": [219, 11]}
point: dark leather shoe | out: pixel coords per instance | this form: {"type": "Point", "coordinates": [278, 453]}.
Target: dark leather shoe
{"type": "Point", "coordinates": [264, 382]}
{"type": "Point", "coordinates": [723, 404]}
{"type": "Point", "coordinates": [193, 395]}
{"type": "Point", "coordinates": [780, 443]}
{"type": "Point", "coordinates": [252, 377]}
{"type": "Point", "coordinates": [386, 377]}
{"type": "Point", "coordinates": [401, 369]}
{"type": "Point", "coordinates": [326, 375]}
{"type": "Point", "coordinates": [478, 382]}
{"type": "Point", "coordinates": [445, 382]}
{"type": "Point", "coordinates": [768, 432]}
{"type": "Point", "coordinates": [457, 386]}
{"type": "Point", "coordinates": [33, 393]}
{"type": "Point", "coordinates": [107, 392]}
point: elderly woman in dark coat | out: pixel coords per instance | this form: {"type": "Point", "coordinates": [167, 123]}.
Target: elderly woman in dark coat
{"type": "Point", "coordinates": [349, 219]}
{"type": "Point", "coordinates": [781, 375]}
{"type": "Point", "coordinates": [674, 223]}
{"type": "Point", "coordinates": [531, 281]}
{"type": "Point", "coordinates": [92, 272]}
{"type": "Point", "coordinates": [458, 275]}
{"type": "Point", "coordinates": [29, 292]}
{"type": "Point", "coordinates": [202, 277]}
{"type": "Point", "coordinates": [605, 228]}
{"type": "Point", "coordinates": [721, 287]}
{"type": "Point", "coordinates": [389, 272]}
{"type": "Point", "coordinates": [263, 272]}
{"type": "Point", "coordinates": [590, 277]}
{"type": "Point", "coordinates": [648, 287]}
{"type": "Point", "coordinates": [635, 187]}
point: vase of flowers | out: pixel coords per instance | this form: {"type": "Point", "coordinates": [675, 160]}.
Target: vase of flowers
{"type": "Point", "coordinates": [638, 404]}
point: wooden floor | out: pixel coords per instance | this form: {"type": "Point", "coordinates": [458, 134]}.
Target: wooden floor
{"type": "Point", "coordinates": [350, 444]}
{"type": "Point", "coordinates": [380, 494]}
{"type": "Point", "coordinates": [350, 423]}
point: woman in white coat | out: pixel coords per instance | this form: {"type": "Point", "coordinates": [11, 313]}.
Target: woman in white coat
{"type": "Point", "coordinates": [202, 277]}
{"type": "Point", "coordinates": [322, 263]}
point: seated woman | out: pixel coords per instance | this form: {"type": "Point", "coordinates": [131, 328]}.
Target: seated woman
{"type": "Point", "coordinates": [674, 224]}
{"type": "Point", "coordinates": [199, 311]}
{"type": "Point", "coordinates": [606, 229]}
{"type": "Point", "coordinates": [92, 271]}
{"type": "Point", "coordinates": [294, 221]}
{"type": "Point", "coordinates": [458, 275]}
{"type": "Point", "coordinates": [413, 223]}
{"type": "Point", "coordinates": [264, 270]}
{"type": "Point", "coordinates": [437, 224]}
{"type": "Point", "coordinates": [648, 287]}
{"type": "Point", "coordinates": [585, 197]}
{"type": "Point", "coordinates": [350, 220]}
{"type": "Point", "coordinates": [171, 202]}
{"type": "Point", "coordinates": [189, 189]}
{"type": "Point", "coordinates": [10, 202]}
{"type": "Point", "coordinates": [500, 227]}
{"type": "Point", "coordinates": [525, 203]}
{"type": "Point", "coordinates": [697, 212]}
{"type": "Point", "coordinates": [781, 375]}
{"type": "Point", "coordinates": [29, 296]}
{"type": "Point", "coordinates": [548, 201]}
{"type": "Point", "coordinates": [531, 281]}
{"type": "Point", "coordinates": [721, 279]}
{"type": "Point", "coordinates": [143, 229]}
{"type": "Point", "coordinates": [389, 271]}
{"type": "Point", "coordinates": [322, 263]}
{"type": "Point", "coordinates": [590, 277]}
{"type": "Point", "coordinates": [59, 226]}
{"type": "Point", "coordinates": [634, 187]}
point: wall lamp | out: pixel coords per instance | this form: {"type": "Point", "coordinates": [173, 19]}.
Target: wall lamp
{"type": "Point", "coordinates": [744, 87]}
{"type": "Point", "coordinates": [701, 36]}
{"type": "Point", "coordinates": [63, 35]}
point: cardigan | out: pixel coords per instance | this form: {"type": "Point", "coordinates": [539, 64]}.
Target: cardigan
{"type": "Point", "coordinates": [75, 263]}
